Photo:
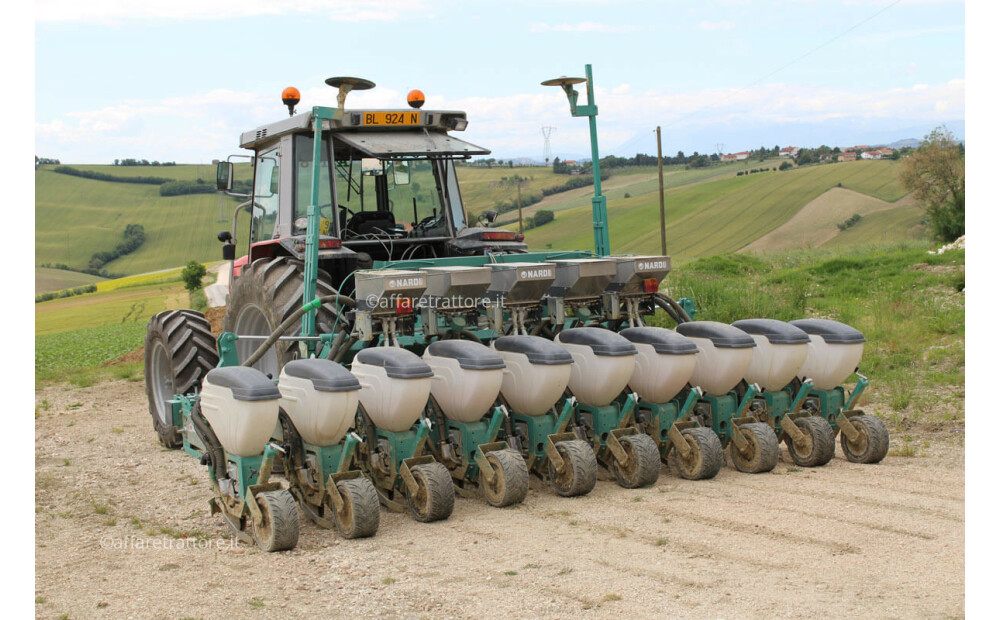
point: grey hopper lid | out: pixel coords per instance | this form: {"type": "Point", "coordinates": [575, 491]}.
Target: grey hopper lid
{"type": "Point", "coordinates": [601, 341]}
{"type": "Point", "coordinates": [833, 332]}
{"type": "Point", "coordinates": [722, 336]}
{"type": "Point", "coordinates": [398, 363]}
{"type": "Point", "coordinates": [664, 341]}
{"type": "Point", "coordinates": [470, 355]}
{"type": "Point", "coordinates": [776, 332]}
{"type": "Point", "coordinates": [537, 349]}
{"type": "Point", "coordinates": [326, 376]}
{"type": "Point", "coordinates": [245, 383]}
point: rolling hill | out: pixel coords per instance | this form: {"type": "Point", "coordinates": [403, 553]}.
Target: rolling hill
{"type": "Point", "coordinates": [709, 211]}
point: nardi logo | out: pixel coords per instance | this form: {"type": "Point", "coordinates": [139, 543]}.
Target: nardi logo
{"type": "Point", "coordinates": [406, 282]}
{"type": "Point", "coordinates": [650, 265]}
{"type": "Point", "coordinates": [534, 274]}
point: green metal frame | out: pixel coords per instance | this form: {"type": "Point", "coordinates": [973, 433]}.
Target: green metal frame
{"type": "Point", "coordinates": [665, 420]}
{"type": "Point", "coordinates": [727, 414]}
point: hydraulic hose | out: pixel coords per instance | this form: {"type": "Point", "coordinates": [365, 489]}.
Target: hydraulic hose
{"type": "Point", "coordinates": [211, 441]}
{"type": "Point", "coordinates": [672, 308]}
{"type": "Point", "coordinates": [287, 323]}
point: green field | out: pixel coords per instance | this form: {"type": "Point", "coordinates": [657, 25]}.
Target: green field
{"type": "Point", "coordinates": [47, 280]}
{"type": "Point", "coordinates": [75, 217]}
{"type": "Point", "coordinates": [715, 216]}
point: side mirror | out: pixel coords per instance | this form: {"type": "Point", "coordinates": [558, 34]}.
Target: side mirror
{"type": "Point", "coordinates": [225, 236]}
{"type": "Point", "coordinates": [491, 215]}
{"type": "Point", "coordinates": [224, 176]}
{"type": "Point", "coordinates": [401, 172]}
{"type": "Point", "coordinates": [229, 251]}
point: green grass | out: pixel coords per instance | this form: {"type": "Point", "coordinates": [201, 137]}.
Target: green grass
{"type": "Point", "coordinates": [905, 301]}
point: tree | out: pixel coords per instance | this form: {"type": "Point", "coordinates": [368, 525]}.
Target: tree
{"type": "Point", "coordinates": [192, 275]}
{"type": "Point", "coordinates": [935, 173]}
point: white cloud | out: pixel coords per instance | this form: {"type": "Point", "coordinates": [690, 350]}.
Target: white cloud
{"type": "Point", "coordinates": [200, 127]}
{"type": "Point", "coordinates": [117, 10]}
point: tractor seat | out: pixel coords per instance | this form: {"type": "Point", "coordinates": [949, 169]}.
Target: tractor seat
{"type": "Point", "coordinates": [372, 222]}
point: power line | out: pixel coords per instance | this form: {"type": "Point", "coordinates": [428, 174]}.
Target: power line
{"type": "Point", "coordinates": [786, 65]}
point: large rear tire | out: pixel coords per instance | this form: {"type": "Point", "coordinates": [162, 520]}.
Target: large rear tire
{"type": "Point", "coordinates": [265, 295]}
{"type": "Point", "coordinates": [180, 350]}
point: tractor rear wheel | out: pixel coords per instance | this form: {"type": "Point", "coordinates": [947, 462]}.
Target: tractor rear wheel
{"type": "Point", "coordinates": [278, 529]}
{"type": "Point", "coordinates": [579, 473]}
{"type": "Point", "coordinates": [762, 450]}
{"type": "Point", "coordinates": [510, 483]}
{"type": "Point", "coordinates": [360, 516]}
{"type": "Point", "coordinates": [873, 440]}
{"type": "Point", "coordinates": [179, 352]}
{"type": "Point", "coordinates": [435, 496]}
{"type": "Point", "coordinates": [705, 457]}
{"type": "Point", "coordinates": [265, 295]}
{"type": "Point", "coordinates": [819, 443]}
{"type": "Point", "coordinates": [643, 467]}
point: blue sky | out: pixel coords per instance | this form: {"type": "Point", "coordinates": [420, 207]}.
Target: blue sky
{"type": "Point", "coordinates": [180, 79]}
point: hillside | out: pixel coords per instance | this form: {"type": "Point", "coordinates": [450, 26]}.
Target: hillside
{"type": "Point", "coordinates": [709, 210]}
{"type": "Point", "coordinates": [726, 214]}
{"type": "Point", "coordinates": [76, 217]}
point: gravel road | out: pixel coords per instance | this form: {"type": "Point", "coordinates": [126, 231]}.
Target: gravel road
{"type": "Point", "coordinates": [112, 507]}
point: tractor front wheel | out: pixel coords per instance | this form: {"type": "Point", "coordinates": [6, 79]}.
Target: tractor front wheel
{"type": "Point", "coordinates": [179, 352]}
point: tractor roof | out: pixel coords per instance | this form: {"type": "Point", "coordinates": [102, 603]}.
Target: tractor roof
{"type": "Point", "coordinates": [380, 132]}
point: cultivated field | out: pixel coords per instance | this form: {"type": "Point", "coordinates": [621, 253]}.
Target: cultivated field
{"type": "Point", "coordinates": [47, 280]}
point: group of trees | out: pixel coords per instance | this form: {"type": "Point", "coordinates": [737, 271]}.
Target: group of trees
{"type": "Point", "coordinates": [143, 162]}
{"type": "Point", "coordinates": [100, 176]}
{"type": "Point", "coordinates": [134, 236]}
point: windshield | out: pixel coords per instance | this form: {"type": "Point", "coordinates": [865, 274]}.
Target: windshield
{"type": "Point", "coordinates": [396, 197]}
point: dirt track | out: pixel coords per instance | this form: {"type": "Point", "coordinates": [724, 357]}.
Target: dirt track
{"type": "Point", "coordinates": [844, 540]}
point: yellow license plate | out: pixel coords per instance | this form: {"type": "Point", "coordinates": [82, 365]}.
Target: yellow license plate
{"type": "Point", "coordinates": [378, 119]}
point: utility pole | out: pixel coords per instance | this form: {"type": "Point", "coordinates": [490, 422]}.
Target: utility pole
{"type": "Point", "coordinates": [663, 213]}
{"type": "Point", "coordinates": [520, 220]}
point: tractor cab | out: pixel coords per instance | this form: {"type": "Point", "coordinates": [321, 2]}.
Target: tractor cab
{"type": "Point", "coordinates": [383, 182]}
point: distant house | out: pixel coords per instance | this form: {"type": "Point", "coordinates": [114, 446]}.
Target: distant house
{"type": "Point", "coordinates": [728, 157]}
{"type": "Point", "coordinates": [848, 156]}
{"type": "Point", "coordinates": [882, 153]}
{"type": "Point", "coordinates": [789, 151]}
{"type": "Point", "coordinates": [742, 155]}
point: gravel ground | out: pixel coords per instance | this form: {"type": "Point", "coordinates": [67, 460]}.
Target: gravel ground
{"type": "Point", "coordinates": [112, 509]}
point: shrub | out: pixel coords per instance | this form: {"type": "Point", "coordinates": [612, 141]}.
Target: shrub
{"type": "Point", "coordinates": [192, 275]}
{"type": "Point", "coordinates": [543, 216]}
